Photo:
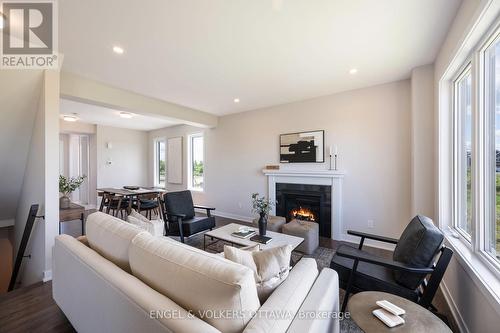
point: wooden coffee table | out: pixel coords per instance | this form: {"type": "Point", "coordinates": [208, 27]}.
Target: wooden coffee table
{"type": "Point", "coordinates": [417, 318]}
{"type": "Point", "coordinates": [224, 234]}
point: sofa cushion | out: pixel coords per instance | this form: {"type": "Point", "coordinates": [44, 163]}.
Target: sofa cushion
{"type": "Point", "coordinates": [323, 298]}
{"type": "Point", "coordinates": [418, 246]}
{"type": "Point", "coordinates": [111, 237]}
{"type": "Point", "coordinates": [204, 283]}
{"type": "Point", "coordinates": [369, 277]}
{"type": "Point", "coordinates": [278, 312]}
{"type": "Point", "coordinates": [192, 226]}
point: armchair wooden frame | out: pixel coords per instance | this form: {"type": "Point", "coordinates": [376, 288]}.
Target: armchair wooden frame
{"type": "Point", "coordinates": [428, 287]}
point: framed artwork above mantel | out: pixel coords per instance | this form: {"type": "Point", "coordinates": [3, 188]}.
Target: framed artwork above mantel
{"type": "Point", "coordinates": [303, 147]}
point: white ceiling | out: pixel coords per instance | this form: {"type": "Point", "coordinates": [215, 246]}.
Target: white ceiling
{"type": "Point", "coordinates": [203, 54]}
{"type": "Point", "coordinates": [93, 114]}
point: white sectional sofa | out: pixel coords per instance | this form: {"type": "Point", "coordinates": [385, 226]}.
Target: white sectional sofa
{"type": "Point", "coordinates": [122, 279]}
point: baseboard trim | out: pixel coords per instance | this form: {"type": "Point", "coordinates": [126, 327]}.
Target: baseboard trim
{"type": "Point", "coordinates": [228, 215]}
{"type": "Point", "coordinates": [47, 276]}
{"type": "Point", "coordinates": [368, 242]}
{"type": "Point", "coordinates": [7, 223]}
{"type": "Point", "coordinates": [453, 308]}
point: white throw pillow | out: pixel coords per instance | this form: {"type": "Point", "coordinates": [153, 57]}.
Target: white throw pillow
{"type": "Point", "coordinates": [270, 267]}
{"type": "Point", "coordinates": [154, 227]}
{"type": "Point", "coordinates": [139, 216]}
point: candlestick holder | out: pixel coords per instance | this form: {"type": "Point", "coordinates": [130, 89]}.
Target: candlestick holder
{"type": "Point", "coordinates": [335, 162]}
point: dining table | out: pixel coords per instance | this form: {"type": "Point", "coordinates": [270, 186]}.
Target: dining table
{"type": "Point", "coordinates": [131, 194]}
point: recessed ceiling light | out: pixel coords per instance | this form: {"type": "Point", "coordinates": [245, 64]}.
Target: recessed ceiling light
{"type": "Point", "coordinates": [236, 100]}
{"type": "Point", "coordinates": [353, 71]}
{"type": "Point", "coordinates": [70, 118]}
{"type": "Point", "coordinates": [118, 50]}
{"type": "Point", "coordinates": [126, 115]}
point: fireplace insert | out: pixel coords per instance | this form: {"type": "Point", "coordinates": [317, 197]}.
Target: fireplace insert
{"type": "Point", "coordinates": [306, 202]}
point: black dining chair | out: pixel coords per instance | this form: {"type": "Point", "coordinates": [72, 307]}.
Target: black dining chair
{"type": "Point", "coordinates": [180, 217]}
{"type": "Point", "coordinates": [148, 203]}
{"type": "Point", "coordinates": [115, 204]}
{"type": "Point", "coordinates": [415, 271]}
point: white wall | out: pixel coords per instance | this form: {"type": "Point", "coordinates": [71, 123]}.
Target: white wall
{"type": "Point", "coordinates": [422, 141]}
{"type": "Point", "coordinates": [40, 184]}
{"type": "Point", "coordinates": [128, 156]}
{"type": "Point", "coordinates": [371, 127]}
{"type": "Point", "coordinates": [469, 303]}
{"type": "Point", "coordinates": [19, 97]}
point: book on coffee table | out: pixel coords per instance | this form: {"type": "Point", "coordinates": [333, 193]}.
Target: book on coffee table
{"type": "Point", "coordinates": [261, 239]}
{"type": "Point", "coordinates": [244, 234]}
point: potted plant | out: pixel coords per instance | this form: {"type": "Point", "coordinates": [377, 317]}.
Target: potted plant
{"type": "Point", "coordinates": [261, 206]}
{"type": "Point", "coordinates": [68, 186]}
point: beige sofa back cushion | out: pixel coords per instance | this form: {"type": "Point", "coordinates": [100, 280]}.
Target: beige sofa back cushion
{"type": "Point", "coordinates": [98, 296]}
{"type": "Point", "coordinates": [209, 285]}
{"type": "Point", "coordinates": [111, 238]}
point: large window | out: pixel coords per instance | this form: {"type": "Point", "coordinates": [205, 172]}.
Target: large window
{"type": "Point", "coordinates": [196, 162]}
{"type": "Point", "coordinates": [492, 146]}
{"type": "Point", "coordinates": [476, 151]}
{"type": "Point", "coordinates": [160, 168]}
{"type": "Point", "coordinates": [463, 152]}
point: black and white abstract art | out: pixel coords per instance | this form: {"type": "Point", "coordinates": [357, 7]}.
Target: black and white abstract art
{"type": "Point", "coordinates": [303, 147]}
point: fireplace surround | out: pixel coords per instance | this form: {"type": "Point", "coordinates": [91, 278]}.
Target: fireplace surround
{"type": "Point", "coordinates": [331, 178]}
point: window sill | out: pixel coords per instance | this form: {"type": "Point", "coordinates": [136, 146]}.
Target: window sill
{"type": "Point", "coordinates": [195, 189]}
{"type": "Point", "coordinates": [481, 274]}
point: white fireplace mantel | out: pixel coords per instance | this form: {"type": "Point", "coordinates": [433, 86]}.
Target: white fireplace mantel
{"type": "Point", "coordinates": [331, 178]}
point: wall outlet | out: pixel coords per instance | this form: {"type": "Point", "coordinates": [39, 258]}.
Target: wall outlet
{"type": "Point", "coordinates": [240, 205]}
{"type": "Point", "coordinates": [371, 224]}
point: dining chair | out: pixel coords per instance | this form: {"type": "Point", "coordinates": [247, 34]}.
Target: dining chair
{"type": "Point", "coordinates": [148, 203]}
{"type": "Point", "coordinates": [117, 204]}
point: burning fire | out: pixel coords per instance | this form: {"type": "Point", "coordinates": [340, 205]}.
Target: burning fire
{"type": "Point", "coordinates": [302, 214]}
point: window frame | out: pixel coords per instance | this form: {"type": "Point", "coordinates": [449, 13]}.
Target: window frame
{"type": "Point", "coordinates": [456, 160]}
{"type": "Point", "coordinates": [482, 207]}
{"type": "Point", "coordinates": [488, 203]}
{"type": "Point", "coordinates": [156, 161]}
{"type": "Point", "coordinates": [191, 161]}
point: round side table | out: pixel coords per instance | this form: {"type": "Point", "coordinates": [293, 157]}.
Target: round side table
{"type": "Point", "coordinates": [417, 318]}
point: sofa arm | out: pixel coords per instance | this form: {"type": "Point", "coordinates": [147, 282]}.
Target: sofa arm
{"type": "Point", "coordinates": [320, 310]}
{"type": "Point", "coordinates": [278, 312]}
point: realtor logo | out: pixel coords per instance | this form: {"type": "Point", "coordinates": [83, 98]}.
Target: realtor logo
{"type": "Point", "coordinates": [29, 35]}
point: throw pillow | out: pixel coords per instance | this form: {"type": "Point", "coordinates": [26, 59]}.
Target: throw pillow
{"type": "Point", "coordinates": [270, 267]}
{"type": "Point", "coordinates": [139, 216]}
{"type": "Point", "coordinates": [139, 223]}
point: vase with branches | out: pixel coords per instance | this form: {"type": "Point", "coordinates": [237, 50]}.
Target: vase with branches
{"type": "Point", "coordinates": [68, 185]}
{"type": "Point", "coordinates": [262, 206]}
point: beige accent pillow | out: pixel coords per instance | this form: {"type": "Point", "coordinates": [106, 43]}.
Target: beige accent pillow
{"type": "Point", "coordinates": [139, 216]}
{"type": "Point", "coordinates": [154, 227]}
{"type": "Point", "coordinates": [83, 240]}
{"type": "Point", "coordinates": [270, 267]}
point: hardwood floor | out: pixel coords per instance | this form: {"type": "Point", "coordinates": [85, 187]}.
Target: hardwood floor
{"type": "Point", "coordinates": [32, 309]}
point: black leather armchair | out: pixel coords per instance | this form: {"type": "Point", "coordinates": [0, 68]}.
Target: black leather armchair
{"type": "Point", "coordinates": [180, 217]}
{"type": "Point", "coordinates": [414, 272]}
